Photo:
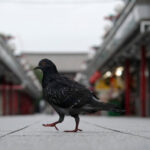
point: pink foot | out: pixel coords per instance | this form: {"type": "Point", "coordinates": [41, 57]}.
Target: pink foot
{"type": "Point", "coordinates": [51, 125]}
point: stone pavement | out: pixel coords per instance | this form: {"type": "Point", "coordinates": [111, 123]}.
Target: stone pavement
{"type": "Point", "coordinates": [99, 133]}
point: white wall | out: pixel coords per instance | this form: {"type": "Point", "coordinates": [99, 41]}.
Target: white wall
{"type": "Point", "coordinates": [65, 62]}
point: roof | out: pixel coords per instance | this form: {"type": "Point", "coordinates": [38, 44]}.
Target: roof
{"type": "Point", "coordinates": [30, 85]}
{"type": "Point", "coordinates": [124, 34]}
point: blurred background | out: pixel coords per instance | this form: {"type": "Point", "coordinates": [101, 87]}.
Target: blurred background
{"type": "Point", "coordinates": [102, 44]}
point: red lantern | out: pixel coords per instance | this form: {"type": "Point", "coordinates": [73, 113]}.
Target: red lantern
{"type": "Point", "coordinates": [95, 77]}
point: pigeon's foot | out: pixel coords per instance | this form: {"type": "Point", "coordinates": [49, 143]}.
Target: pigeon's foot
{"type": "Point", "coordinates": [51, 125]}
{"type": "Point", "coordinates": [75, 130]}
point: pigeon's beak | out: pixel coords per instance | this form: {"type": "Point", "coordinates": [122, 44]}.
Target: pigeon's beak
{"type": "Point", "coordinates": [38, 67]}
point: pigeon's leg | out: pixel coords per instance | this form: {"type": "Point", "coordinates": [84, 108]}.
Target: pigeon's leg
{"type": "Point", "coordinates": [61, 118]}
{"type": "Point", "coordinates": [77, 120]}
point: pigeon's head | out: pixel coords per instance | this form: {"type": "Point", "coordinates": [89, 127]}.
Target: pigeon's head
{"type": "Point", "coordinates": [47, 65]}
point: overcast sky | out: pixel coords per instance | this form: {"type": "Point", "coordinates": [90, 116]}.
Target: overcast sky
{"type": "Point", "coordinates": [55, 26]}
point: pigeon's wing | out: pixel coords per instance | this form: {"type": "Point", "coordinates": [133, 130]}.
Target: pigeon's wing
{"type": "Point", "coordinates": [68, 94]}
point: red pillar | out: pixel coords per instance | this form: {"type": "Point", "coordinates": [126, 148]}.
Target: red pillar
{"type": "Point", "coordinates": [10, 98]}
{"type": "Point", "coordinates": [143, 81]}
{"type": "Point", "coordinates": [4, 99]}
{"type": "Point", "coordinates": [15, 102]}
{"type": "Point", "coordinates": [127, 87]}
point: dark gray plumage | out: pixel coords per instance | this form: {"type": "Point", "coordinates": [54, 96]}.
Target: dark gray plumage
{"type": "Point", "coordinates": [68, 97]}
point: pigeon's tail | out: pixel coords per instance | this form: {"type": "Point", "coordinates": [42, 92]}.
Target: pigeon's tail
{"type": "Point", "coordinates": [106, 106]}
{"type": "Point", "coordinates": [111, 107]}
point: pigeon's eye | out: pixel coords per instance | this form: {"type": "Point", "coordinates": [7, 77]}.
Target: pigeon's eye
{"type": "Point", "coordinates": [43, 64]}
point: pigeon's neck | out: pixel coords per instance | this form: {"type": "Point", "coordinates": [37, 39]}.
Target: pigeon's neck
{"type": "Point", "coordinates": [47, 77]}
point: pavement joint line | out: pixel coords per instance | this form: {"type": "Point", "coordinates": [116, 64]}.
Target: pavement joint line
{"type": "Point", "coordinates": [118, 131]}
{"type": "Point", "coordinates": [17, 130]}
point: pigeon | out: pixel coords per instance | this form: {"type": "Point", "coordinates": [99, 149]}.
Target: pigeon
{"type": "Point", "coordinates": [68, 97]}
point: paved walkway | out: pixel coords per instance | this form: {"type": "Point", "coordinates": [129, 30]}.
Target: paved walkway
{"type": "Point", "coordinates": [99, 133]}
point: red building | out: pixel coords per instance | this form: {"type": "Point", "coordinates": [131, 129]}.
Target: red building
{"type": "Point", "coordinates": [127, 45]}
{"type": "Point", "coordinates": [19, 88]}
